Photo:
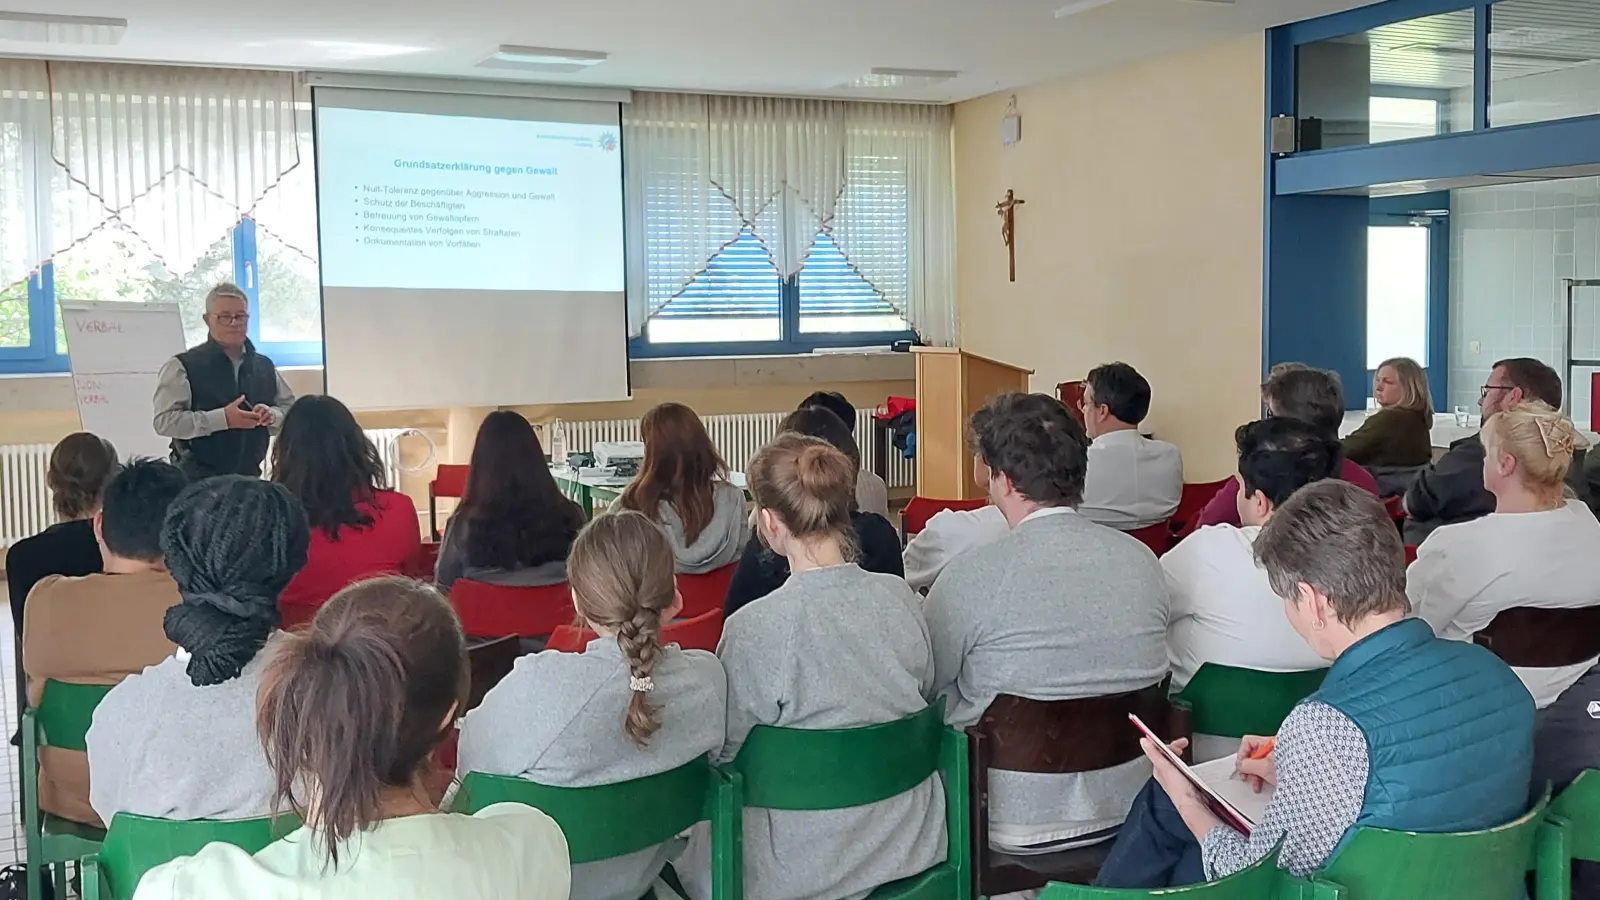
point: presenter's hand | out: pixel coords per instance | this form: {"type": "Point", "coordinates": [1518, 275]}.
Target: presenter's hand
{"type": "Point", "coordinates": [263, 413]}
{"type": "Point", "coordinates": [239, 417]}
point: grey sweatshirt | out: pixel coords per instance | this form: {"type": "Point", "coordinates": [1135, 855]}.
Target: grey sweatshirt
{"type": "Point", "coordinates": [159, 746]}
{"type": "Point", "coordinates": [831, 648]}
{"type": "Point", "coordinates": [1057, 609]}
{"type": "Point", "coordinates": [452, 564]}
{"type": "Point", "coordinates": [719, 543]}
{"type": "Point", "coordinates": [557, 719]}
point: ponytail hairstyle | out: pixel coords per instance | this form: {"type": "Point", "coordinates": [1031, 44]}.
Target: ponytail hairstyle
{"type": "Point", "coordinates": [621, 573]}
{"type": "Point", "coordinates": [1542, 441]}
{"type": "Point", "coordinates": [232, 544]}
{"type": "Point", "coordinates": [356, 703]}
{"type": "Point", "coordinates": [809, 485]}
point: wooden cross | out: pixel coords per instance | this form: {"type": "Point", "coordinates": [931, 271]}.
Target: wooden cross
{"type": "Point", "coordinates": [1007, 210]}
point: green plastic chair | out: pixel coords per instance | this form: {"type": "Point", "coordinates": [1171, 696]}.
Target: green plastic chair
{"type": "Point", "coordinates": [817, 769]}
{"type": "Point", "coordinates": [1232, 702]}
{"type": "Point", "coordinates": [614, 820]}
{"type": "Point", "coordinates": [136, 844]}
{"type": "Point", "coordinates": [1379, 864]}
{"type": "Point", "coordinates": [61, 720]}
{"type": "Point", "coordinates": [1262, 881]}
{"type": "Point", "coordinates": [1577, 808]}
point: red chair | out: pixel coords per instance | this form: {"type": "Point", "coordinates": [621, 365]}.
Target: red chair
{"type": "Point", "coordinates": [1411, 554]}
{"type": "Point", "coordinates": [1397, 512]}
{"type": "Point", "coordinates": [491, 611]}
{"type": "Point", "coordinates": [448, 481]}
{"type": "Point", "coordinates": [422, 564]}
{"type": "Point", "coordinates": [704, 592]}
{"type": "Point", "coordinates": [1190, 504]}
{"type": "Point", "coordinates": [1157, 537]}
{"type": "Point", "coordinates": [1071, 393]}
{"type": "Point", "coordinates": [700, 633]}
{"type": "Point", "coordinates": [914, 517]}
{"type": "Point", "coordinates": [293, 617]}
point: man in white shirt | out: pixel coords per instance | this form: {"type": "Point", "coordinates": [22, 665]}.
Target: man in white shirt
{"type": "Point", "coordinates": [950, 533]}
{"type": "Point", "coordinates": [1134, 482]}
{"type": "Point", "coordinates": [1223, 609]}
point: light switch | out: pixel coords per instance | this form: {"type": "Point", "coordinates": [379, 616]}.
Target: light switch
{"type": "Point", "coordinates": [1474, 347]}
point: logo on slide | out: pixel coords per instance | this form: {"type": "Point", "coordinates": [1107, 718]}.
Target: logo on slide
{"type": "Point", "coordinates": [608, 141]}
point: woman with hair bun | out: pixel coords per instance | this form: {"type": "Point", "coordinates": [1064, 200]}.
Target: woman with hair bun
{"type": "Point", "coordinates": [833, 647]}
{"type": "Point", "coordinates": [349, 711]}
{"type": "Point", "coordinates": [178, 740]}
{"type": "Point", "coordinates": [627, 707]}
{"type": "Point", "coordinates": [1537, 548]}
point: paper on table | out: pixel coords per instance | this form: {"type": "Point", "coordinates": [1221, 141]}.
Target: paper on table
{"type": "Point", "coordinates": [1218, 774]}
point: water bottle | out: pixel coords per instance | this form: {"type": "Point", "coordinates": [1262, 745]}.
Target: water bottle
{"type": "Point", "coordinates": [558, 443]}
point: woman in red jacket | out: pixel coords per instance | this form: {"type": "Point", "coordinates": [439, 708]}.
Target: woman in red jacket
{"type": "Point", "coordinates": [359, 527]}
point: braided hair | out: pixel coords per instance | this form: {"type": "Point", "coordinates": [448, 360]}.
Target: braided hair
{"type": "Point", "coordinates": [621, 572]}
{"type": "Point", "coordinates": [232, 544]}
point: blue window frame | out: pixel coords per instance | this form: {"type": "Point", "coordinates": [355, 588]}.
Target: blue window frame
{"type": "Point", "coordinates": [741, 305]}
{"type": "Point", "coordinates": [44, 353]}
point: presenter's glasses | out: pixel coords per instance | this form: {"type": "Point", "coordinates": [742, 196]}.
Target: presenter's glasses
{"type": "Point", "coordinates": [232, 318]}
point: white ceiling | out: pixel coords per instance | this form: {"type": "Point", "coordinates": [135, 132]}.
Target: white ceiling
{"type": "Point", "coordinates": [744, 46]}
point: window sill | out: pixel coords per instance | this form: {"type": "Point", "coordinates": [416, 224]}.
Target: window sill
{"type": "Point", "coordinates": [53, 392]}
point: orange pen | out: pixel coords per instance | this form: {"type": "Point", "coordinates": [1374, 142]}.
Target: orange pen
{"type": "Point", "coordinates": [1265, 749]}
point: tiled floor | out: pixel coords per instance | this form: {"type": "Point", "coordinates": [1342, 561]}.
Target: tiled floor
{"type": "Point", "coordinates": [11, 848]}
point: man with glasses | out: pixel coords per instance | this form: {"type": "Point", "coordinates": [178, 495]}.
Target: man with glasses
{"type": "Point", "coordinates": [1451, 490]}
{"type": "Point", "coordinates": [220, 401]}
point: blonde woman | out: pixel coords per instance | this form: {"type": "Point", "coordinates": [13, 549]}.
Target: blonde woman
{"type": "Point", "coordinates": [1400, 432]}
{"type": "Point", "coordinates": [625, 708]}
{"type": "Point", "coordinates": [1537, 548]}
{"type": "Point", "coordinates": [834, 646]}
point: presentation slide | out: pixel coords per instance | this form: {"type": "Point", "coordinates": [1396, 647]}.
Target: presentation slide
{"type": "Point", "coordinates": [472, 249]}
{"type": "Point", "coordinates": [411, 200]}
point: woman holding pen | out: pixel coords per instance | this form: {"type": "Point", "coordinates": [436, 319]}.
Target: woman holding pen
{"type": "Point", "coordinates": [1407, 732]}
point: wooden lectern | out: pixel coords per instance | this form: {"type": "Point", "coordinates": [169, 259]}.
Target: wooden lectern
{"type": "Point", "coordinates": [952, 384]}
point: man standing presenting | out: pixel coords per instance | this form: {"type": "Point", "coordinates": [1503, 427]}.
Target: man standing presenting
{"type": "Point", "coordinates": [220, 401]}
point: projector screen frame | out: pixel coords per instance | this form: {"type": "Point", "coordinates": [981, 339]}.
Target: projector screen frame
{"type": "Point", "coordinates": [607, 97]}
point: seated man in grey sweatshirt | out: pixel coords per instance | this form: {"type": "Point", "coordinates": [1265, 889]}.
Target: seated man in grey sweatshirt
{"type": "Point", "coordinates": [1057, 609]}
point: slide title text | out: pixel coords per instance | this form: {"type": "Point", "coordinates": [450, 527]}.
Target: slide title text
{"type": "Point", "coordinates": [483, 168]}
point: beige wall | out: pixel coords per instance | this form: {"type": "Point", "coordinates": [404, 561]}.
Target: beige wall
{"type": "Point", "coordinates": [1140, 239]}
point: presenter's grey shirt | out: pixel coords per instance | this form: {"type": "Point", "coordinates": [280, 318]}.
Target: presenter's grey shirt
{"type": "Point", "coordinates": [173, 401]}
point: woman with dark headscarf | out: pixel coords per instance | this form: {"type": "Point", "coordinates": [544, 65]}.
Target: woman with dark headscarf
{"type": "Point", "coordinates": [178, 741]}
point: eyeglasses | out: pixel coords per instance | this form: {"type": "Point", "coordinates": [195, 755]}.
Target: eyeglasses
{"type": "Point", "coordinates": [231, 318]}
{"type": "Point", "coordinates": [1484, 392]}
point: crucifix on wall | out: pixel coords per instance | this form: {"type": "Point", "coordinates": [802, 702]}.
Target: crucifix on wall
{"type": "Point", "coordinates": [1007, 210]}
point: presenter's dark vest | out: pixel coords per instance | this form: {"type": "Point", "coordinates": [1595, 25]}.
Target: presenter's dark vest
{"type": "Point", "coordinates": [213, 385]}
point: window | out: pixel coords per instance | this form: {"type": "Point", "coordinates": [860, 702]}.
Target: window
{"type": "Point", "coordinates": [160, 214]}
{"type": "Point", "coordinates": [1397, 81]}
{"type": "Point", "coordinates": [778, 226]}
{"type": "Point", "coordinates": [1397, 293]}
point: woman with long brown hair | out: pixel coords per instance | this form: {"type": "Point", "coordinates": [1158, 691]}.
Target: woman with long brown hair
{"type": "Point", "coordinates": [350, 711]}
{"type": "Point", "coordinates": [683, 487]}
{"type": "Point", "coordinates": [627, 707]}
{"type": "Point", "coordinates": [834, 646]}
{"type": "Point", "coordinates": [513, 527]}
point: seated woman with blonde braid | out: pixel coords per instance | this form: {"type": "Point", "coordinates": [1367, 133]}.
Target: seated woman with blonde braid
{"type": "Point", "coordinates": [625, 708]}
{"type": "Point", "coordinates": [1537, 548]}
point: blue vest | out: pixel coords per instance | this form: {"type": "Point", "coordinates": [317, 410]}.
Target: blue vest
{"type": "Point", "coordinates": [1449, 730]}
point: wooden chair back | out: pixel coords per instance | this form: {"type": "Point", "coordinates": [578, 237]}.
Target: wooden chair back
{"type": "Point", "coordinates": [1056, 737]}
{"type": "Point", "coordinates": [489, 661]}
{"type": "Point", "coordinates": [1543, 638]}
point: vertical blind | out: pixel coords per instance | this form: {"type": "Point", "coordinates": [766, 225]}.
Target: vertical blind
{"type": "Point", "coordinates": [726, 193]}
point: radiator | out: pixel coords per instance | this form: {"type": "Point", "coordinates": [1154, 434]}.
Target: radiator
{"type": "Point", "coordinates": [25, 500]}
{"type": "Point", "coordinates": [738, 438]}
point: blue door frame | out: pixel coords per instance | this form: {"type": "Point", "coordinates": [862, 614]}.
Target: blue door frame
{"type": "Point", "coordinates": [1315, 212]}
